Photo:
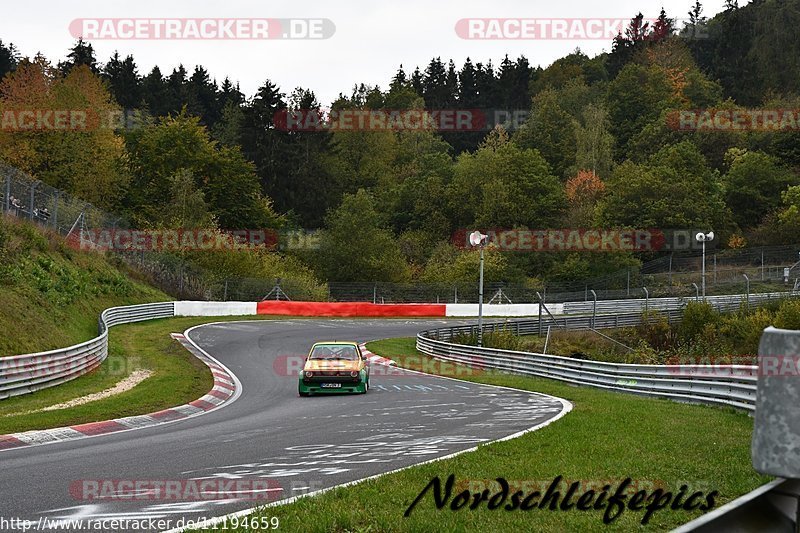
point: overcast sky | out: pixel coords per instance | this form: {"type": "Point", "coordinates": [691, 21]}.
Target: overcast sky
{"type": "Point", "coordinates": [371, 40]}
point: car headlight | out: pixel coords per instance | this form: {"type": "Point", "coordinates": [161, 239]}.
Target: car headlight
{"type": "Point", "coordinates": [309, 374]}
{"type": "Point", "coordinates": [354, 374]}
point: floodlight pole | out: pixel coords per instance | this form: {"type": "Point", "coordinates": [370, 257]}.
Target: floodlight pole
{"type": "Point", "coordinates": [480, 301]}
{"type": "Point", "coordinates": [703, 238]}
{"type": "Point", "coordinates": [704, 270]}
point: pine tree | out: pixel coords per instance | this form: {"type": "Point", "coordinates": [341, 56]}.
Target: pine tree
{"type": "Point", "coordinates": [399, 80]}
{"type": "Point", "coordinates": [201, 92]}
{"type": "Point", "coordinates": [696, 14]}
{"type": "Point", "coordinates": [662, 28]}
{"type": "Point", "coordinates": [435, 84]}
{"type": "Point", "coordinates": [124, 81]}
{"type": "Point", "coordinates": [9, 57]}
{"type": "Point", "coordinates": [80, 54]}
{"type": "Point", "coordinates": [416, 82]}
{"type": "Point", "coordinates": [176, 90]}
{"type": "Point", "coordinates": [467, 88]}
{"type": "Point", "coordinates": [155, 93]}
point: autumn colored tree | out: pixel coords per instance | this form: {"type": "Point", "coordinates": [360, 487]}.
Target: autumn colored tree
{"type": "Point", "coordinates": [583, 192]}
{"type": "Point", "coordinates": [83, 154]}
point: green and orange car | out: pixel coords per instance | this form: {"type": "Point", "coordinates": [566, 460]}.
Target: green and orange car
{"type": "Point", "coordinates": [334, 367]}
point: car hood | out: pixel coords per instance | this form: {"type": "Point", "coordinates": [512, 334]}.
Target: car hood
{"type": "Point", "coordinates": [318, 364]}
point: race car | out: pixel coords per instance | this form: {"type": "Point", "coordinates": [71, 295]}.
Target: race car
{"type": "Point", "coordinates": [334, 367]}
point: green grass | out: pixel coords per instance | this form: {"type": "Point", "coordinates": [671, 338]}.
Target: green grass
{"type": "Point", "coordinates": [607, 437]}
{"type": "Point", "coordinates": [178, 377]}
{"type": "Point", "coordinates": [51, 294]}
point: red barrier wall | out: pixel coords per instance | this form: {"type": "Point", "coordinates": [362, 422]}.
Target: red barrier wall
{"type": "Point", "coordinates": [273, 307]}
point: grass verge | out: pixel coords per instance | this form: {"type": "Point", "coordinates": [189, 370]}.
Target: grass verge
{"type": "Point", "coordinates": [606, 438]}
{"type": "Point", "coordinates": [178, 377]}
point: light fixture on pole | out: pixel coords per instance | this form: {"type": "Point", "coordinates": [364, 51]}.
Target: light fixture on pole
{"type": "Point", "coordinates": [476, 238]}
{"type": "Point", "coordinates": [704, 238]}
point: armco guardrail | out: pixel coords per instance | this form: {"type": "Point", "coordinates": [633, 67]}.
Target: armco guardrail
{"type": "Point", "coordinates": [22, 374]}
{"type": "Point", "coordinates": [728, 302]}
{"type": "Point", "coordinates": [732, 385]}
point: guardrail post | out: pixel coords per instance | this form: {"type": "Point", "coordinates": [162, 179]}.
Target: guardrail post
{"type": "Point", "coordinates": [696, 292]}
{"type": "Point", "coordinates": [646, 299]}
{"type": "Point", "coordinates": [225, 294]}
{"type": "Point", "coordinates": [594, 307]}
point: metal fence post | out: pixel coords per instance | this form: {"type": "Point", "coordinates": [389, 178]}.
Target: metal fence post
{"type": "Point", "coordinates": [646, 299]}
{"type": "Point", "coordinates": [55, 210]}
{"type": "Point", "coordinates": [32, 199]}
{"type": "Point", "coordinates": [715, 269]}
{"type": "Point", "coordinates": [696, 292]}
{"type": "Point", "coordinates": [225, 294]}
{"type": "Point", "coordinates": [594, 307]}
{"type": "Point", "coordinates": [627, 288]}
{"type": "Point", "coordinates": [541, 304]}
{"type": "Point", "coordinates": [747, 300]}
{"type": "Point", "coordinates": [180, 282]}
{"type": "Point", "coordinates": [7, 199]}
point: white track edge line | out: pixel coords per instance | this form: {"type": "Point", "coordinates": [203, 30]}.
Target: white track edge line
{"type": "Point", "coordinates": [234, 397]}
{"type": "Point", "coordinates": [566, 408]}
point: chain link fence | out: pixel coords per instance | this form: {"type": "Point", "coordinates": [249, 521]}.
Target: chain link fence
{"type": "Point", "coordinates": [727, 271]}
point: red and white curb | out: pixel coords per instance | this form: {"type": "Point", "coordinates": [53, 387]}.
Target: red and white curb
{"type": "Point", "coordinates": [375, 359]}
{"type": "Point", "coordinates": [226, 389]}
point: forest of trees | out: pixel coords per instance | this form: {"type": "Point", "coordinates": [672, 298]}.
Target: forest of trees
{"type": "Point", "coordinates": [597, 150]}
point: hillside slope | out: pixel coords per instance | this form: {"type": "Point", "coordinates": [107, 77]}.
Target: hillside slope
{"type": "Point", "coordinates": [51, 294]}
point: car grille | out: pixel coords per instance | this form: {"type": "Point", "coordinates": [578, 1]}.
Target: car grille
{"type": "Point", "coordinates": [331, 377]}
{"type": "Point", "coordinates": [332, 373]}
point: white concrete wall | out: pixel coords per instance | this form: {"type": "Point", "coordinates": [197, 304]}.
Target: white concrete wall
{"type": "Point", "coordinates": [471, 310]}
{"type": "Point", "coordinates": [191, 308]}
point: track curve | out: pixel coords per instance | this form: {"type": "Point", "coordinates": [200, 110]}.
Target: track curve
{"type": "Point", "coordinates": [299, 444]}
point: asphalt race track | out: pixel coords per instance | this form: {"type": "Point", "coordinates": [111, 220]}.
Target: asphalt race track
{"type": "Point", "coordinates": [270, 433]}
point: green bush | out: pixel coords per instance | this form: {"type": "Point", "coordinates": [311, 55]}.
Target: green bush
{"type": "Point", "coordinates": [502, 339]}
{"type": "Point", "coordinates": [695, 317]}
{"type": "Point", "coordinates": [788, 315]}
{"type": "Point", "coordinates": [657, 331]}
{"type": "Point", "coordinates": [467, 339]}
{"type": "Point", "coordinates": [644, 354]}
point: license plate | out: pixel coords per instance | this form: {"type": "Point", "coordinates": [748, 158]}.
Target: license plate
{"type": "Point", "coordinates": [330, 385]}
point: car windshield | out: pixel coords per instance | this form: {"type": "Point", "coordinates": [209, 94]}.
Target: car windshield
{"type": "Point", "coordinates": [334, 351]}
